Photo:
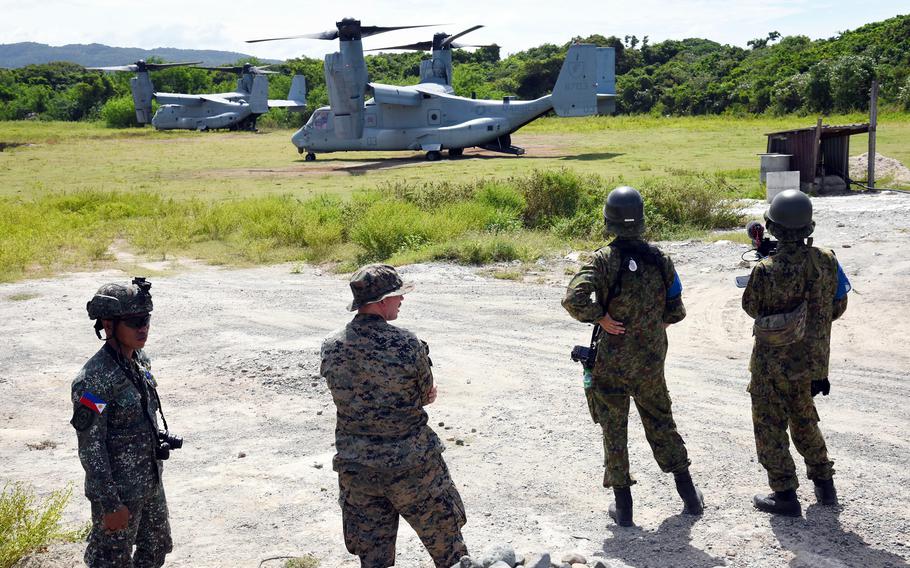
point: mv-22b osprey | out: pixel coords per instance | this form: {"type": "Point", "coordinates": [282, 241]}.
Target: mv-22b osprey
{"type": "Point", "coordinates": [236, 110]}
{"type": "Point", "coordinates": [429, 117]}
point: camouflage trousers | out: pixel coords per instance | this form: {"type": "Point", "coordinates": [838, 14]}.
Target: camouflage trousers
{"type": "Point", "coordinates": [611, 405]}
{"type": "Point", "coordinates": [148, 530]}
{"type": "Point", "coordinates": [371, 501]}
{"type": "Point", "coordinates": [779, 403]}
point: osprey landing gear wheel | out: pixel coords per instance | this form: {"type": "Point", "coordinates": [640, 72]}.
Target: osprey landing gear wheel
{"type": "Point", "coordinates": [310, 157]}
{"type": "Point", "coordinates": [433, 155]}
{"type": "Point", "coordinates": [456, 152]}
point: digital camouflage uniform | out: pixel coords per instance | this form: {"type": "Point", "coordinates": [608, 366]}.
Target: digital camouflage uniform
{"type": "Point", "coordinates": [117, 450]}
{"type": "Point", "coordinates": [388, 459]}
{"type": "Point", "coordinates": [782, 375]}
{"type": "Point", "coordinates": [632, 364]}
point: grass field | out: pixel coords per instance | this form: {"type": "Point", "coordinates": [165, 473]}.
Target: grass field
{"type": "Point", "coordinates": [68, 190]}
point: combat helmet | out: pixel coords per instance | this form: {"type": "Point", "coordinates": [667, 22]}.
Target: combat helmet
{"type": "Point", "coordinates": [790, 216]}
{"type": "Point", "coordinates": [113, 301]}
{"type": "Point", "coordinates": [624, 212]}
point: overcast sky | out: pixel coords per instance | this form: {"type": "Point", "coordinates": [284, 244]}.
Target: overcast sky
{"type": "Point", "coordinates": [515, 25]}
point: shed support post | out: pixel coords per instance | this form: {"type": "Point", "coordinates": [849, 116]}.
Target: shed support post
{"type": "Point", "coordinates": [815, 150]}
{"type": "Point", "coordinates": [873, 120]}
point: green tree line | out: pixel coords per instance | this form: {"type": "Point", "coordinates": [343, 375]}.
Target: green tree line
{"type": "Point", "coordinates": [774, 74]}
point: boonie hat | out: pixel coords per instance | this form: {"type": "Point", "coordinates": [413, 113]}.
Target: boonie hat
{"type": "Point", "coordinates": [375, 282]}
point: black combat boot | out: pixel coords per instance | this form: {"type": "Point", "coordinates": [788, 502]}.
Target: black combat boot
{"type": "Point", "coordinates": [693, 500]}
{"type": "Point", "coordinates": [825, 491]}
{"type": "Point", "coordinates": [621, 510]}
{"type": "Point", "coordinates": [779, 503]}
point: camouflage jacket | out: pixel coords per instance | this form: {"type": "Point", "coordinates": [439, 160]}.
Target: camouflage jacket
{"type": "Point", "coordinates": [778, 284]}
{"type": "Point", "coordinates": [116, 440]}
{"type": "Point", "coordinates": [380, 379]}
{"type": "Point", "coordinates": [647, 296]}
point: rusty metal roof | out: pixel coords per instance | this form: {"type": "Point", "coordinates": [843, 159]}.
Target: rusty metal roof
{"type": "Point", "coordinates": [827, 131]}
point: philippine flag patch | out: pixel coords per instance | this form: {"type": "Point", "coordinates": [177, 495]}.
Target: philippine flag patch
{"type": "Point", "coordinates": [93, 402]}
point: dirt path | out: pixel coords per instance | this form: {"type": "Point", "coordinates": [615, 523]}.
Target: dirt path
{"type": "Point", "coordinates": [235, 352]}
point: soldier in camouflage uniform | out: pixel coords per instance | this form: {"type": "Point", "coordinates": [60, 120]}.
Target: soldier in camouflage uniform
{"type": "Point", "coordinates": [388, 459]}
{"type": "Point", "coordinates": [786, 377]}
{"type": "Point", "coordinates": [114, 406]}
{"type": "Point", "coordinates": [636, 295]}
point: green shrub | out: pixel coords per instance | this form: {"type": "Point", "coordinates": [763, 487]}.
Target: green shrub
{"type": "Point", "coordinates": [389, 226]}
{"type": "Point", "coordinates": [27, 525]}
{"type": "Point", "coordinates": [501, 196]}
{"type": "Point", "coordinates": [476, 249]}
{"type": "Point", "coordinates": [682, 206]}
{"type": "Point", "coordinates": [458, 218]}
{"type": "Point", "coordinates": [549, 194]}
{"type": "Point", "coordinates": [427, 195]}
{"type": "Point", "coordinates": [119, 112]}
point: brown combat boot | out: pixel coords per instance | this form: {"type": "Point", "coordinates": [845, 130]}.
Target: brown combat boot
{"type": "Point", "coordinates": [621, 509]}
{"type": "Point", "coordinates": [779, 503]}
{"type": "Point", "coordinates": [825, 491]}
{"type": "Point", "coordinates": [693, 500]}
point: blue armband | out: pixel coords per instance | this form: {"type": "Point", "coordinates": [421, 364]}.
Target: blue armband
{"type": "Point", "coordinates": [676, 289]}
{"type": "Point", "coordinates": [843, 285]}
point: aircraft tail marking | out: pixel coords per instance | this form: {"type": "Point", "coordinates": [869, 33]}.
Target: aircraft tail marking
{"type": "Point", "coordinates": [575, 93]}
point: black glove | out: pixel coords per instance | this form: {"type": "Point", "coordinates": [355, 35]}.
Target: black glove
{"type": "Point", "coordinates": [822, 386]}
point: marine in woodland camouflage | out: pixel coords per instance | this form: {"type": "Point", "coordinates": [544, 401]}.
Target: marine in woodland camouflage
{"type": "Point", "coordinates": [631, 364]}
{"type": "Point", "coordinates": [380, 379]}
{"type": "Point", "coordinates": [782, 375]}
{"type": "Point", "coordinates": [117, 451]}
{"type": "Point", "coordinates": [388, 459]}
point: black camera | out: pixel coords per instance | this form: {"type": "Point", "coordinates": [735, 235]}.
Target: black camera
{"type": "Point", "coordinates": [762, 245]}
{"type": "Point", "coordinates": [584, 355]}
{"type": "Point", "coordinates": [166, 443]}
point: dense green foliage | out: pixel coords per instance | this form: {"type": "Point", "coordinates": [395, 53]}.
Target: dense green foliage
{"type": "Point", "coordinates": [518, 218]}
{"type": "Point", "coordinates": [688, 77]}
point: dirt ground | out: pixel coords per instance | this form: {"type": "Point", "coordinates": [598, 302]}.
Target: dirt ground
{"type": "Point", "coordinates": [235, 352]}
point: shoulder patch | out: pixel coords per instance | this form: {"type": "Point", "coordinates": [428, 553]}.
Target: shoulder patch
{"type": "Point", "coordinates": [82, 418]}
{"type": "Point", "coordinates": [92, 403]}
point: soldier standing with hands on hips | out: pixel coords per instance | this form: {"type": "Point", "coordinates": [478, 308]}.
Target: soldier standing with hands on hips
{"type": "Point", "coordinates": [120, 446]}
{"type": "Point", "coordinates": [389, 461]}
{"type": "Point", "coordinates": [636, 295]}
{"type": "Point", "coordinates": [794, 295]}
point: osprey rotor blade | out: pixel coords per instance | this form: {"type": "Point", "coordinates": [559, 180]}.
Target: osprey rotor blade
{"type": "Point", "coordinates": [155, 66]}
{"type": "Point", "coordinates": [225, 69]}
{"type": "Point", "coordinates": [322, 35]}
{"type": "Point", "coordinates": [115, 68]}
{"type": "Point", "coordinates": [347, 28]}
{"type": "Point", "coordinates": [143, 66]}
{"type": "Point", "coordinates": [451, 38]}
{"type": "Point", "coordinates": [366, 31]}
{"type": "Point", "coordinates": [243, 69]}
{"type": "Point", "coordinates": [419, 46]}
{"type": "Point", "coordinates": [462, 45]}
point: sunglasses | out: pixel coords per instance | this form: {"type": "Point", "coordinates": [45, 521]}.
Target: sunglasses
{"type": "Point", "coordinates": [137, 321]}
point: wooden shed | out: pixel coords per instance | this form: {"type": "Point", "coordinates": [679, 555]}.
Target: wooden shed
{"type": "Point", "coordinates": [817, 151]}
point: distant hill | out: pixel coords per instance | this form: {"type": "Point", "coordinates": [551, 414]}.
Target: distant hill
{"type": "Point", "coordinates": [15, 55]}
